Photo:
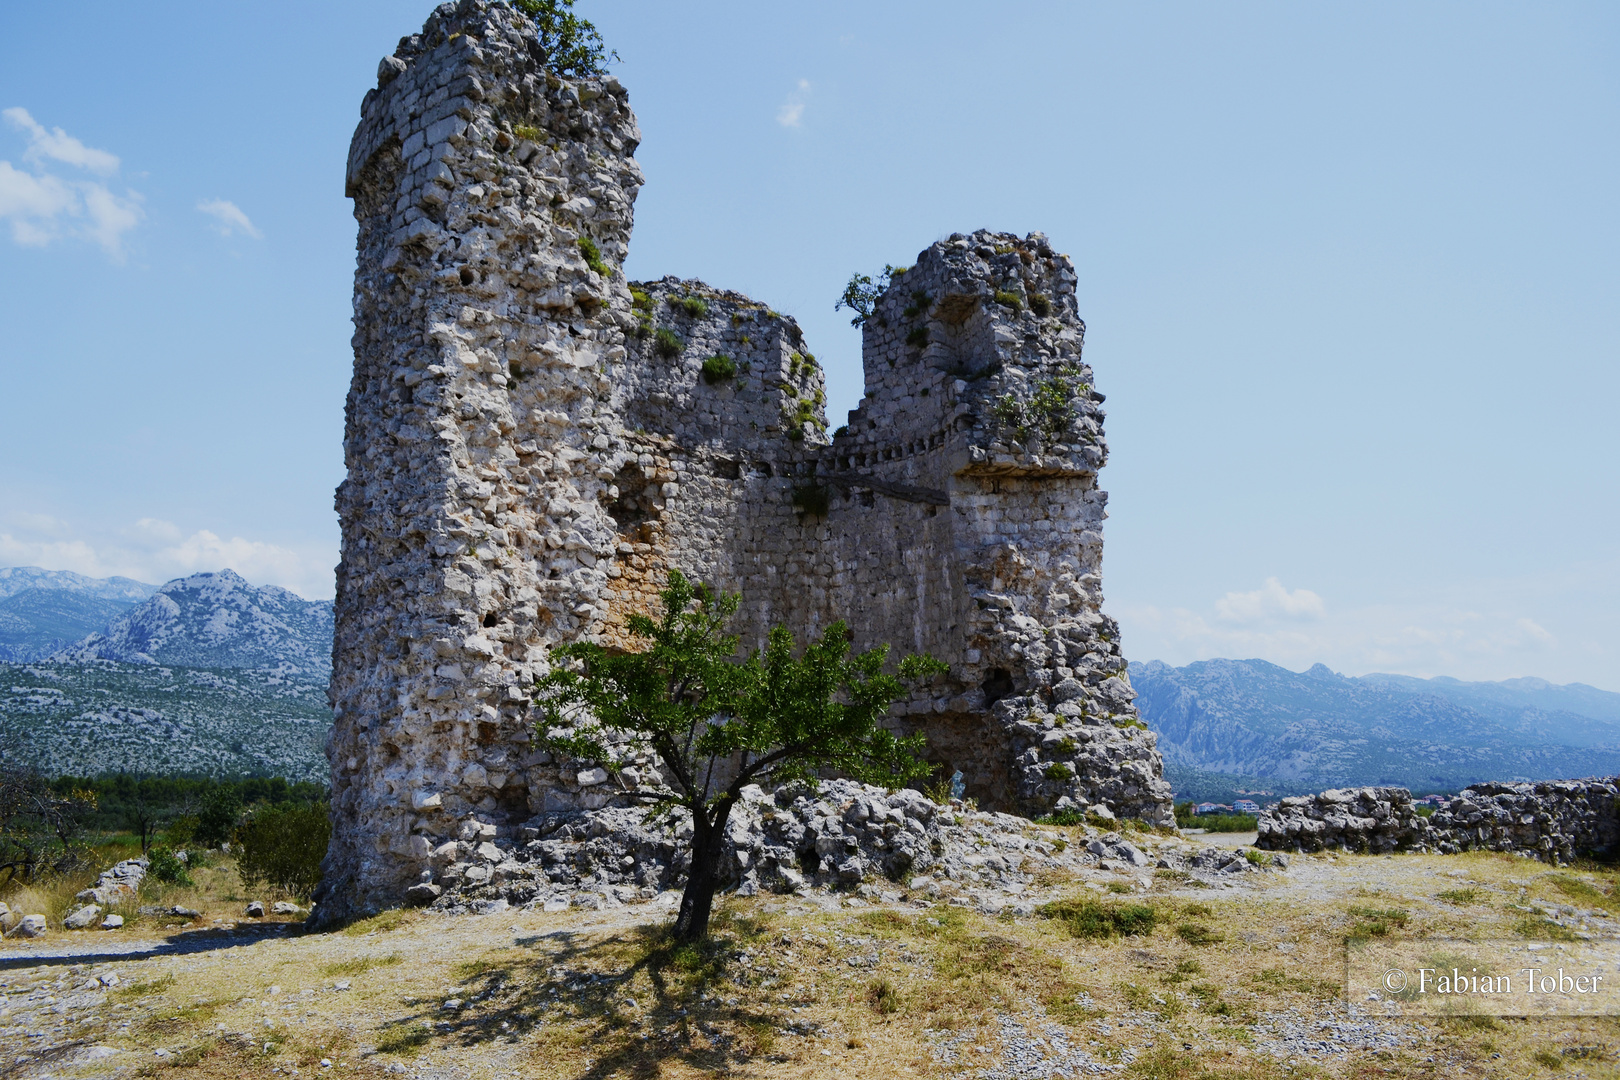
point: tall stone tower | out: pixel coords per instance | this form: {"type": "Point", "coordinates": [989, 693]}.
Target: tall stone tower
{"type": "Point", "coordinates": [533, 442]}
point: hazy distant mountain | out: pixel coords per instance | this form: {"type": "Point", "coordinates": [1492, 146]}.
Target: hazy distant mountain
{"type": "Point", "coordinates": [217, 621]}
{"type": "Point", "coordinates": [1318, 729]}
{"type": "Point", "coordinates": [42, 611]}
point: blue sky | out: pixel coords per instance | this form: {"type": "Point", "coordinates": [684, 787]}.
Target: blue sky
{"type": "Point", "coordinates": [1350, 276]}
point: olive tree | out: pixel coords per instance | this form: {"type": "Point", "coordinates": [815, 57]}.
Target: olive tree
{"type": "Point", "coordinates": [719, 722]}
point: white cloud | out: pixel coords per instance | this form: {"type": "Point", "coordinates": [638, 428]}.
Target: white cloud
{"type": "Point", "coordinates": [1411, 638]}
{"type": "Point", "coordinates": [155, 551]}
{"type": "Point", "coordinates": [58, 145]}
{"type": "Point", "coordinates": [230, 218]}
{"type": "Point", "coordinates": [1269, 601]}
{"type": "Point", "coordinates": [792, 111]}
{"type": "Point", "coordinates": [42, 206]}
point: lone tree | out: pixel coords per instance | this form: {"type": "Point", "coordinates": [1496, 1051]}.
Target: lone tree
{"type": "Point", "coordinates": [719, 722]}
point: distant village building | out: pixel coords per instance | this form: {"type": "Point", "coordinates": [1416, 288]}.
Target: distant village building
{"type": "Point", "coordinates": [1245, 806]}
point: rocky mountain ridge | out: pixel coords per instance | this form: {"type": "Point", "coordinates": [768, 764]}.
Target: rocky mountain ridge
{"type": "Point", "coordinates": [42, 611]}
{"type": "Point", "coordinates": [217, 620]}
{"type": "Point", "coordinates": [1304, 731]}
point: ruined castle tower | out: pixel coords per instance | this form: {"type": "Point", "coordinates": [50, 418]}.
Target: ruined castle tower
{"type": "Point", "coordinates": [533, 442]}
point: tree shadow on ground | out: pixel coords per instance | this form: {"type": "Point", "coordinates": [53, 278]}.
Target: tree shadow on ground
{"type": "Point", "coordinates": [572, 995]}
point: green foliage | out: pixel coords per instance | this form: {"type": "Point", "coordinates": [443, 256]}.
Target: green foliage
{"type": "Point", "coordinates": [769, 718]}
{"type": "Point", "coordinates": [527, 131]}
{"type": "Point", "coordinates": [282, 846]}
{"type": "Point", "coordinates": [1048, 411]}
{"type": "Point", "coordinates": [1063, 817]}
{"type": "Point", "coordinates": [1059, 772]}
{"type": "Point", "coordinates": [40, 826]}
{"type": "Point", "coordinates": [593, 256]}
{"type": "Point", "coordinates": [1009, 299]}
{"type": "Point", "coordinates": [920, 303]}
{"type": "Point", "coordinates": [843, 429]}
{"type": "Point", "coordinates": [216, 821]}
{"type": "Point", "coordinates": [1459, 896]}
{"type": "Point", "coordinates": [812, 500]}
{"type": "Point", "coordinates": [718, 368]}
{"type": "Point", "coordinates": [1197, 934]}
{"type": "Point", "coordinates": [1040, 304]}
{"type": "Point", "coordinates": [573, 48]}
{"type": "Point", "coordinates": [918, 338]}
{"type": "Point", "coordinates": [862, 293]}
{"type": "Point", "coordinates": [640, 300]}
{"type": "Point", "coordinates": [1066, 745]}
{"type": "Point", "coordinates": [165, 866]}
{"type": "Point", "coordinates": [666, 344]}
{"type": "Point", "coordinates": [695, 306]}
{"type": "Point", "coordinates": [1089, 918]}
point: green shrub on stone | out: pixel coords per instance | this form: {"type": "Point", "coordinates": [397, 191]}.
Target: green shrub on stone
{"type": "Point", "coordinates": [718, 368]}
{"type": "Point", "coordinates": [1059, 772]}
{"type": "Point", "coordinates": [918, 338]}
{"type": "Point", "coordinates": [1009, 299]}
{"type": "Point", "coordinates": [593, 256]}
{"type": "Point", "coordinates": [1040, 305]}
{"type": "Point", "coordinates": [666, 344]}
{"type": "Point", "coordinates": [692, 305]}
{"type": "Point", "coordinates": [573, 48]}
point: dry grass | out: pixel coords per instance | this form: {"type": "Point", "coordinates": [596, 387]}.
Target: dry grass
{"type": "Point", "coordinates": [789, 989]}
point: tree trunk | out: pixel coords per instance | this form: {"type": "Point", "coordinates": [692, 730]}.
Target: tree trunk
{"type": "Point", "coordinates": [697, 902]}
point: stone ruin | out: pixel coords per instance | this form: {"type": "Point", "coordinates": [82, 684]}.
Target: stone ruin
{"type": "Point", "coordinates": [533, 442]}
{"type": "Point", "coordinates": [1555, 821]}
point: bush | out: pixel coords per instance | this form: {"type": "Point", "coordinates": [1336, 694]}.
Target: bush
{"type": "Point", "coordinates": [691, 305]}
{"type": "Point", "coordinates": [593, 256]}
{"type": "Point", "coordinates": [1009, 300]}
{"type": "Point", "coordinates": [918, 338]}
{"type": "Point", "coordinates": [572, 46]}
{"type": "Point", "coordinates": [164, 865]}
{"type": "Point", "coordinates": [1088, 918]}
{"type": "Point", "coordinates": [719, 368]}
{"type": "Point", "coordinates": [216, 822]}
{"type": "Point", "coordinates": [666, 344]}
{"type": "Point", "coordinates": [282, 846]}
{"type": "Point", "coordinates": [1040, 305]}
{"type": "Point", "coordinates": [1059, 772]}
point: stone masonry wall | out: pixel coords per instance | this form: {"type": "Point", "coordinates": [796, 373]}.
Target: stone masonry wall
{"type": "Point", "coordinates": [529, 452]}
{"type": "Point", "coordinates": [1553, 820]}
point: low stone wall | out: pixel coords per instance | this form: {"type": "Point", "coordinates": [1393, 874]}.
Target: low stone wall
{"type": "Point", "coordinates": [1554, 820]}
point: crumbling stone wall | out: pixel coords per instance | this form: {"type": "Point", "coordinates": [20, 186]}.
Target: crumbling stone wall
{"type": "Point", "coordinates": [1554, 820]}
{"type": "Point", "coordinates": [533, 442]}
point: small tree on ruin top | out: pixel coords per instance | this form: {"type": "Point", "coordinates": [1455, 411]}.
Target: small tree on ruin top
{"type": "Point", "coordinates": [718, 722]}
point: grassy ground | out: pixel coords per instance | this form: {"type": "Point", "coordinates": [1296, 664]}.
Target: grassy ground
{"type": "Point", "coordinates": [1150, 977]}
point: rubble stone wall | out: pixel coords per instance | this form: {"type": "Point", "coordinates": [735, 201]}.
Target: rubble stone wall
{"type": "Point", "coordinates": [533, 442]}
{"type": "Point", "coordinates": [1555, 821]}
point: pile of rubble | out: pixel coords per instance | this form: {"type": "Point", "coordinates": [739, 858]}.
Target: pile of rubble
{"type": "Point", "coordinates": [844, 836]}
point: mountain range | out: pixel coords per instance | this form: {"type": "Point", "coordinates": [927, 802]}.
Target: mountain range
{"type": "Point", "coordinates": [207, 674]}
{"type": "Point", "coordinates": [42, 611]}
{"type": "Point", "coordinates": [212, 674]}
{"type": "Point", "coordinates": [1230, 725]}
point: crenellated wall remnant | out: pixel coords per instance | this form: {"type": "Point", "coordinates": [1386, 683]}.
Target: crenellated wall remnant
{"type": "Point", "coordinates": [533, 441]}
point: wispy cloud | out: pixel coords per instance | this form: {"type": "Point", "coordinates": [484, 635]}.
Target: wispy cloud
{"type": "Point", "coordinates": [42, 206]}
{"type": "Point", "coordinates": [156, 551]}
{"type": "Point", "coordinates": [229, 218]}
{"type": "Point", "coordinates": [1269, 601]}
{"type": "Point", "coordinates": [1296, 628]}
{"type": "Point", "coordinates": [792, 110]}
